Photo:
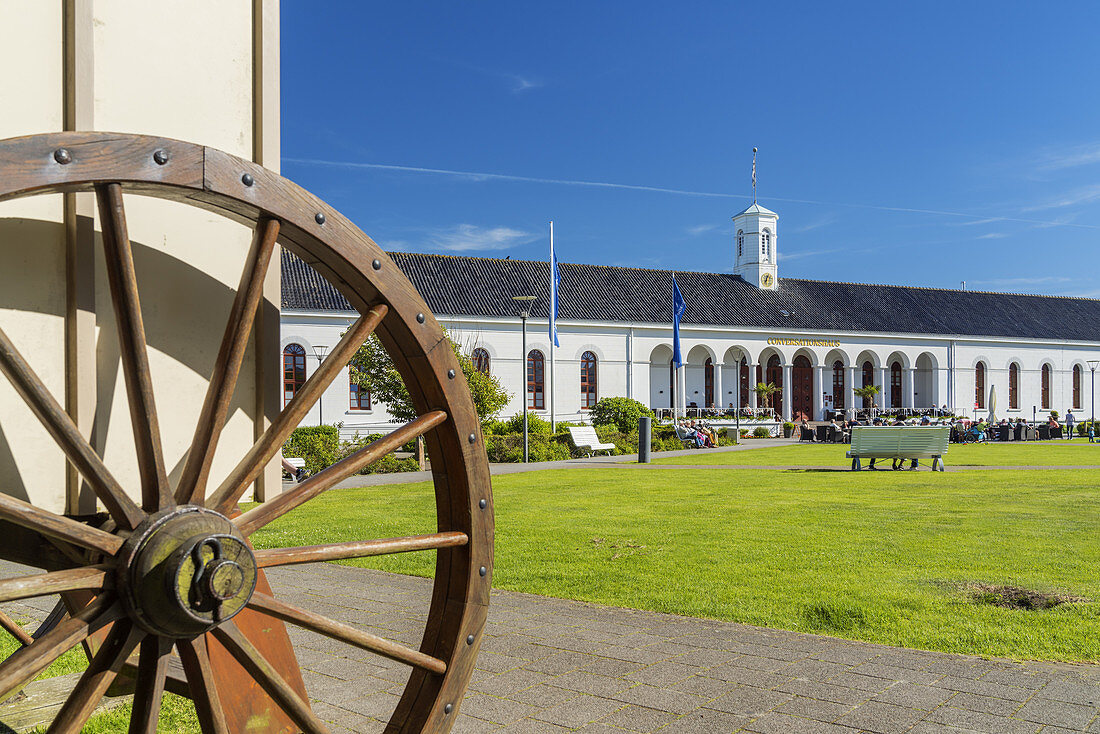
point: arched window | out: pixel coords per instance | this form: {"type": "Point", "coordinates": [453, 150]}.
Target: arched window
{"type": "Point", "coordinates": [1077, 386]}
{"type": "Point", "coordinates": [766, 244]}
{"type": "Point", "coordinates": [838, 385]}
{"type": "Point", "coordinates": [536, 392]}
{"type": "Point", "coordinates": [588, 380]}
{"type": "Point", "coordinates": [979, 386]}
{"type": "Point", "coordinates": [740, 242]}
{"type": "Point", "coordinates": [480, 358]}
{"type": "Point", "coordinates": [360, 396]}
{"type": "Point", "coordinates": [868, 379]}
{"type": "Point", "coordinates": [895, 385]}
{"type": "Point", "coordinates": [1014, 386]}
{"type": "Point", "coordinates": [1045, 393]}
{"type": "Point", "coordinates": [774, 375]}
{"type": "Point", "coordinates": [708, 383]}
{"type": "Point", "coordinates": [294, 370]}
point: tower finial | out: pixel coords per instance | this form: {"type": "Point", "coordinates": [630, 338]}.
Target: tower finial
{"type": "Point", "coordinates": [754, 175]}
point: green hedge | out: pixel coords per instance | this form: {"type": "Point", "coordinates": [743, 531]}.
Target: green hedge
{"type": "Point", "coordinates": [321, 447]}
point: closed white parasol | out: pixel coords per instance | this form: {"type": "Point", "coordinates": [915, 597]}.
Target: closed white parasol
{"type": "Point", "coordinates": [992, 404]}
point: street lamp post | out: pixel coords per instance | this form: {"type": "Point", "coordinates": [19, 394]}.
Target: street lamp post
{"type": "Point", "coordinates": [524, 314]}
{"type": "Point", "coordinates": [1092, 366]}
{"type": "Point", "coordinates": [319, 352]}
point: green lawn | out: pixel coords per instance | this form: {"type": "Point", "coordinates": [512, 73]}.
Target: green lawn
{"type": "Point", "coordinates": [1078, 452]}
{"type": "Point", "coordinates": [882, 557]}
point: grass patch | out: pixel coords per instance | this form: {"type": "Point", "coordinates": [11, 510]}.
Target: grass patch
{"type": "Point", "coordinates": [1045, 453]}
{"type": "Point", "coordinates": [870, 556]}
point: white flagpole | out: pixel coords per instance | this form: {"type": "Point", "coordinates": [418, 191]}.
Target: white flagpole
{"type": "Point", "coordinates": [553, 318]}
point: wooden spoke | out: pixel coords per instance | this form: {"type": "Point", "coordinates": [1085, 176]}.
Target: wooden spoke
{"type": "Point", "coordinates": [265, 674]}
{"type": "Point", "coordinates": [95, 578]}
{"type": "Point", "coordinates": [132, 349]}
{"type": "Point", "coordinates": [45, 522]}
{"type": "Point", "coordinates": [358, 549]}
{"type": "Point", "coordinates": [223, 381]}
{"type": "Point", "coordinates": [225, 497]}
{"type": "Point", "coordinates": [101, 671]}
{"type": "Point", "coordinates": [68, 437]}
{"type": "Point", "coordinates": [31, 660]}
{"type": "Point", "coordinates": [15, 630]}
{"type": "Point", "coordinates": [152, 672]}
{"type": "Point", "coordinates": [345, 633]}
{"type": "Point", "coordinates": [200, 681]}
{"type": "Point", "coordinates": [261, 515]}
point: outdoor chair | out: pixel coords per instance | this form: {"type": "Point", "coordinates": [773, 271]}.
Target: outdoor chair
{"type": "Point", "coordinates": [1018, 433]}
{"type": "Point", "coordinates": [805, 434]}
{"type": "Point", "coordinates": [822, 433]}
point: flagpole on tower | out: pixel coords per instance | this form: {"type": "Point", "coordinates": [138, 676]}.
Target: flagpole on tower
{"type": "Point", "coordinates": [754, 175]}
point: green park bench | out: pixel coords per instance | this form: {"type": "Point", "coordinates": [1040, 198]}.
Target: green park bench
{"type": "Point", "coordinates": [899, 442]}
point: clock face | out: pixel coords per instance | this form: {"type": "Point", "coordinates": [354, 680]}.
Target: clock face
{"type": "Point", "coordinates": [766, 280]}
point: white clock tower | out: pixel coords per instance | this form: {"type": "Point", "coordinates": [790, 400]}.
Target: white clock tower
{"type": "Point", "coordinates": [756, 239]}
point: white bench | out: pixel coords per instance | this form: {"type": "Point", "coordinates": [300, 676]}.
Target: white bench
{"type": "Point", "coordinates": [899, 442]}
{"type": "Point", "coordinates": [584, 437]}
{"type": "Point", "coordinates": [296, 462]}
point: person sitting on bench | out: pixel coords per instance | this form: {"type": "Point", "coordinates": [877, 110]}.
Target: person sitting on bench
{"type": "Point", "coordinates": [875, 422]}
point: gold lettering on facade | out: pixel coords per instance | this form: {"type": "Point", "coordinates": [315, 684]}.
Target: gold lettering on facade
{"type": "Point", "coordinates": [789, 342]}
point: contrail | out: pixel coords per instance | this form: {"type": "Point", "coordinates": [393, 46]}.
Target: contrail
{"type": "Point", "coordinates": [480, 176]}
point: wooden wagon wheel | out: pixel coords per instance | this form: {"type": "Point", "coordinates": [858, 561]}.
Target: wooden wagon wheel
{"type": "Point", "coordinates": [176, 572]}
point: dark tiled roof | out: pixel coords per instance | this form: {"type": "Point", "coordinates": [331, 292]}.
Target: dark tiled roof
{"type": "Point", "coordinates": [473, 286]}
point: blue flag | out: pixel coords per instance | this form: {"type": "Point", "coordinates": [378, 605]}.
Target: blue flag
{"type": "Point", "coordinates": [678, 307]}
{"type": "Point", "coordinates": [555, 281]}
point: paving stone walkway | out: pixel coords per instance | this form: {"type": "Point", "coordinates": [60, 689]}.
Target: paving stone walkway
{"type": "Point", "coordinates": [552, 665]}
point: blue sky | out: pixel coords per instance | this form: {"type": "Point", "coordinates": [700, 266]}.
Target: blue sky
{"type": "Point", "coordinates": [923, 144]}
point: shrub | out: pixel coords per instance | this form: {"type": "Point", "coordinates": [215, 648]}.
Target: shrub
{"type": "Point", "coordinates": [1054, 414]}
{"type": "Point", "coordinates": [318, 445]}
{"type": "Point", "coordinates": [540, 447]}
{"type": "Point", "coordinates": [761, 432]}
{"type": "Point", "coordinates": [788, 426]}
{"type": "Point", "coordinates": [623, 413]}
{"type": "Point", "coordinates": [535, 424]}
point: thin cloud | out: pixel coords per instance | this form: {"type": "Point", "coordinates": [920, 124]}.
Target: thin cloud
{"type": "Point", "coordinates": [470, 237]}
{"type": "Point", "coordinates": [816, 224]}
{"type": "Point", "coordinates": [989, 220]}
{"type": "Point", "coordinates": [1084, 195]}
{"type": "Point", "coordinates": [480, 176]}
{"type": "Point", "coordinates": [701, 229]}
{"type": "Point", "coordinates": [992, 236]}
{"type": "Point", "coordinates": [1078, 155]}
{"type": "Point", "coordinates": [785, 256]}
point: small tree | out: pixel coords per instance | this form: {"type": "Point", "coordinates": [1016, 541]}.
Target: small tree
{"type": "Point", "coordinates": [623, 413]}
{"type": "Point", "coordinates": [867, 392]}
{"type": "Point", "coordinates": [764, 392]}
{"type": "Point", "coordinates": [373, 369]}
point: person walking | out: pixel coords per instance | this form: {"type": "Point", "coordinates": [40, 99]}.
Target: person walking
{"type": "Point", "coordinates": [1069, 423]}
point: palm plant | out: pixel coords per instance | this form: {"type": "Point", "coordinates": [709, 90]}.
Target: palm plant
{"type": "Point", "coordinates": [764, 392]}
{"type": "Point", "coordinates": [867, 392]}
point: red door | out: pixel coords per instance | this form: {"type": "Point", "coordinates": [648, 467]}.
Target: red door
{"type": "Point", "coordinates": [802, 390]}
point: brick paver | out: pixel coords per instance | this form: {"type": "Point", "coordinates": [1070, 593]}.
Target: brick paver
{"type": "Point", "coordinates": [553, 665]}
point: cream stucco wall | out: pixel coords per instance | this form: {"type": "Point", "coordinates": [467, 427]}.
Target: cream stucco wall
{"type": "Point", "coordinates": [205, 71]}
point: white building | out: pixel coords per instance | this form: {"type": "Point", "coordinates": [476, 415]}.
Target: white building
{"type": "Point", "coordinates": [816, 340]}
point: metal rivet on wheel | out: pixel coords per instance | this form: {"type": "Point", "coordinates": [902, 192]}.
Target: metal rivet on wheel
{"type": "Point", "coordinates": [471, 438]}
{"type": "Point", "coordinates": [319, 217]}
{"type": "Point", "coordinates": [376, 264]}
{"type": "Point", "coordinates": [469, 639]}
{"type": "Point", "coordinates": [483, 504]}
{"type": "Point", "coordinates": [421, 318]}
{"type": "Point", "coordinates": [62, 156]}
{"type": "Point", "coordinates": [450, 374]}
{"type": "Point", "coordinates": [247, 179]}
{"type": "Point", "coordinates": [483, 570]}
{"type": "Point", "coordinates": [448, 708]}
{"type": "Point", "coordinates": [160, 156]}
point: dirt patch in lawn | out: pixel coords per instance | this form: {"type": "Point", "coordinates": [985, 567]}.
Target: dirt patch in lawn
{"type": "Point", "coordinates": [1016, 597]}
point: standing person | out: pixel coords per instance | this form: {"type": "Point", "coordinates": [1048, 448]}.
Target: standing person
{"type": "Point", "coordinates": [1069, 423]}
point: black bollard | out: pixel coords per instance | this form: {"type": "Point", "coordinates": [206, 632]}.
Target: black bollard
{"type": "Point", "coordinates": [645, 433]}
